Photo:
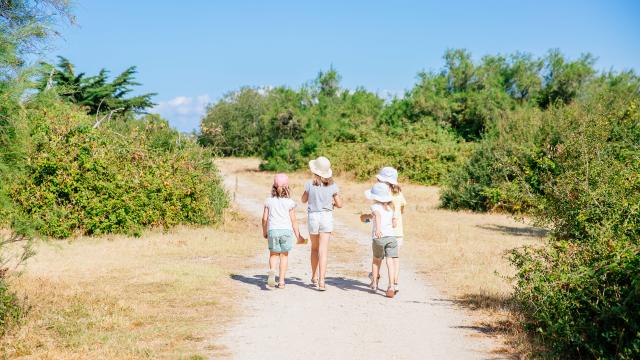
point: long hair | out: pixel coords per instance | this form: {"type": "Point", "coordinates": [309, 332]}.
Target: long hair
{"type": "Point", "coordinates": [320, 181]}
{"type": "Point", "coordinates": [395, 189]}
{"type": "Point", "coordinates": [280, 191]}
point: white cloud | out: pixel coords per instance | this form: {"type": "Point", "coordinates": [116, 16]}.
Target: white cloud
{"type": "Point", "coordinates": [183, 112]}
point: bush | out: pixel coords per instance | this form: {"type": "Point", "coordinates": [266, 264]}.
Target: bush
{"type": "Point", "coordinates": [486, 180]}
{"type": "Point", "coordinates": [582, 299]}
{"type": "Point", "coordinates": [118, 178]}
{"type": "Point", "coordinates": [422, 153]}
{"type": "Point", "coordinates": [580, 293]}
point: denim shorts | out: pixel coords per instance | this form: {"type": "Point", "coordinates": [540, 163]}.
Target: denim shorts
{"type": "Point", "coordinates": [320, 221]}
{"type": "Point", "coordinates": [280, 240]}
{"type": "Point", "coordinates": [386, 246]}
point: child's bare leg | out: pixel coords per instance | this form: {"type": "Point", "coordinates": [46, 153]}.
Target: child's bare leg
{"type": "Point", "coordinates": [392, 272]}
{"type": "Point", "coordinates": [323, 248]}
{"type": "Point", "coordinates": [375, 270]}
{"type": "Point", "coordinates": [396, 264]}
{"type": "Point", "coordinates": [273, 260]}
{"type": "Point", "coordinates": [271, 277]}
{"type": "Point", "coordinates": [284, 261]}
{"type": "Point", "coordinates": [315, 244]}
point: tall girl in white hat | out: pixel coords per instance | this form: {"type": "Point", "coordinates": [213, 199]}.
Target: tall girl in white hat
{"type": "Point", "coordinates": [321, 194]}
{"type": "Point", "coordinates": [389, 176]}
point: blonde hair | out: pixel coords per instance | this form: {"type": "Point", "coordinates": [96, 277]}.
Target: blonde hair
{"type": "Point", "coordinates": [395, 189]}
{"type": "Point", "coordinates": [319, 180]}
{"type": "Point", "coordinates": [280, 191]}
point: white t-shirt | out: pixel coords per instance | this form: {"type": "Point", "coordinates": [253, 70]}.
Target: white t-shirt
{"type": "Point", "coordinates": [386, 221]}
{"type": "Point", "coordinates": [279, 218]}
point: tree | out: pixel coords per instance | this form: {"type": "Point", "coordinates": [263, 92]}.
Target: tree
{"type": "Point", "coordinates": [563, 79]}
{"type": "Point", "coordinates": [24, 27]}
{"type": "Point", "coordinates": [95, 93]}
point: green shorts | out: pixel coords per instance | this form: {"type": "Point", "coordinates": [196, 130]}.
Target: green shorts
{"type": "Point", "coordinates": [386, 246]}
{"type": "Point", "coordinates": [280, 240]}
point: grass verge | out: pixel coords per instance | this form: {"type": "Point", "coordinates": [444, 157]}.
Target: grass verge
{"type": "Point", "coordinates": [165, 295]}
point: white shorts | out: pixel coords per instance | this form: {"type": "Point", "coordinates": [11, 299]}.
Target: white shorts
{"type": "Point", "coordinates": [321, 221]}
{"type": "Point", "coordinates": [399, 240]}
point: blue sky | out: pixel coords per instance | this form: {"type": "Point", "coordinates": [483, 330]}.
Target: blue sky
{"type": "Point", "coordinates": [192, 52]}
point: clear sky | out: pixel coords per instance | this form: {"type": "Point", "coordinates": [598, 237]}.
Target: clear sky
{"type": "Point", "coordinates": [192, 52]}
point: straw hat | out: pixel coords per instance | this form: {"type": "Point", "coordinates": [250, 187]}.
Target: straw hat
{"type": "Point", "coordinates": [321, 167]}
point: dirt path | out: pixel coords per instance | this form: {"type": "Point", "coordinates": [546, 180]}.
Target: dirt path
{"type": "Point", "coordinates": [347, 321]}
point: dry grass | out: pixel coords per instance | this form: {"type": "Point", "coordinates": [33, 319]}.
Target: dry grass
{"type": "Point", "coordinates": [165, 295]}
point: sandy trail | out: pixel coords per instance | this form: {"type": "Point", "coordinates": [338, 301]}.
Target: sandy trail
{"type": "Point", "coordinates": [346, 321]}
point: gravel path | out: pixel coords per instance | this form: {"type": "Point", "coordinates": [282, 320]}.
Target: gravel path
{"type": "Point", "coordinates": [346, 321]}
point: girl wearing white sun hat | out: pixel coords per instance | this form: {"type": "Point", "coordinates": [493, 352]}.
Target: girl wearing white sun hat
{"type": "Point", "coordinates": [383, 242]}
{"type": "Point", "coordinates": [321, 193]}
{"type": "Point", "coordinates": [389, 176]}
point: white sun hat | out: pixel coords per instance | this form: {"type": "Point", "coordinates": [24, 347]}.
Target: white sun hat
{"type": "Point", "coordinates": [379, 192]}
{"type": "Point", "coordinates": [388, 174]}
{"type": "Point", "coordinates": [321, 167]}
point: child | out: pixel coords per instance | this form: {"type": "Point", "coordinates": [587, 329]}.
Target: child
{"type": "Point", "coordinates": [389, 176]}
{"type": "Point", "coordinates": [322, 195]}
{"type": "Point", "coordinates": [384, 243]}
{"type": "Point", "coordinates": [278, 226]}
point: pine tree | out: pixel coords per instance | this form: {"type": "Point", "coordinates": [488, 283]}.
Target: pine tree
{"type": "Point", "coordinates": [95, 93]}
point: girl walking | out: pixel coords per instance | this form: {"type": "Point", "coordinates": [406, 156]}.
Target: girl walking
{"type": "Point", "coordinates": [389, 176]}
{"type": "Point", "coordinates": [321, 194]}
{"type": "Point", "coordinates": [279, 226]}
{"type": "Point", "coordinates": [384, 243]}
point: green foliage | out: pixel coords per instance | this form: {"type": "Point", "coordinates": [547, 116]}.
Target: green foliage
{"type": "Point", "coordinates": [582, 299]}
{"type": "Point", "coordinates": [95, 93]}
{"type": "Point", "coordinates": [24, 26]}
{"type": "Point", "coordinates": [10, 309]}
{"type": "Point", "coordinates": [422, 153]}
{"type": "Point", "coordinates": [580, 292]}
{"type": "Point", "coordinates": [114, 179]}
{"type": "Point", "coordinates": [233, 125]}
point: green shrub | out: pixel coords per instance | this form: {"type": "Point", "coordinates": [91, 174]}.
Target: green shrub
{"type": "Point", "coordinates": [118, 178]}
{"type": "Point", "coordinates": [582, 299]}
{"type": "Point", "coordinates": [485, 181]}
{"type": "Point", "coordinates": [422, 153]}
{"type": "Point", "coordinates": [580, 292]}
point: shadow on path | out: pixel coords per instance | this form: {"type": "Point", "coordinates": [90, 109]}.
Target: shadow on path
{"type": "Point", "coordinates": [516, 231]}
{"type": "Point", "coordinates": [341, 283]}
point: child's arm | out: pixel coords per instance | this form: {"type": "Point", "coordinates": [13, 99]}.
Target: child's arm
{"type": "Point", "coordinates": [337, 200]}
{"type": "Point", "coordinates": [294, 224]}
{"type": "Point", "coordinates": [265, 219]}
{"type": "Point", "coordinates": [378, 234]}
{"type": "Point", "coordinates": [305, 197]}
{"type": "Point", "coordinates": [394, 222]}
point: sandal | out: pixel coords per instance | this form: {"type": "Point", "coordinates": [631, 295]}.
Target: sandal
{"type": "Point", "coordinates": [396, 287]}
{"type": "Point", "coordinates": [321, 287]}
{"type": "Point", "coordinates": [280, 286]}
{"type": "Point", "coordinates": [391, 293]}
{"type": "Point", "coordinates": [314, 281]}
{"type": "Point", "coordinates": [271, 278]}
{"type": "Point", "coordinates": [373, 287]}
